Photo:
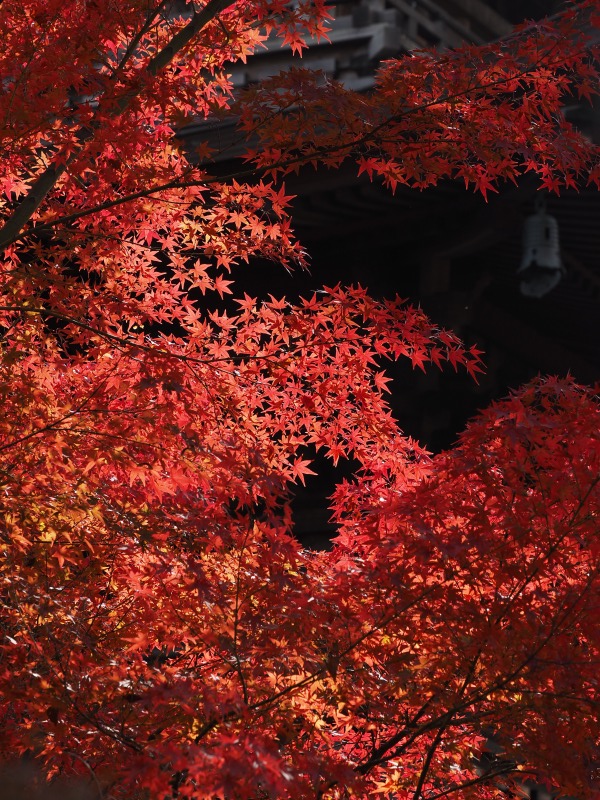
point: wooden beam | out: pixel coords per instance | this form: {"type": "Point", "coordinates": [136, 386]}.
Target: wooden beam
{"type": "Point", "coordinates": [432, 16]}
{"type": "Point", "coordinates": [484, 16]}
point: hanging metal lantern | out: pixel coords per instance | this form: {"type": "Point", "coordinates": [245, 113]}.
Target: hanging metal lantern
{"type": "Point", "coordinates": [541, 268]}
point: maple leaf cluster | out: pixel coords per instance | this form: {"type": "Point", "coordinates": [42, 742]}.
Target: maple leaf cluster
{"type": "Point", "coordinates": [163, 634]}
{"type": "Point", "coordinates": [480, 114]}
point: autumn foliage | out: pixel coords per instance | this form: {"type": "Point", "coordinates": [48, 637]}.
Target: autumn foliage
{"type": "Point", "coordinates": [163, 632]}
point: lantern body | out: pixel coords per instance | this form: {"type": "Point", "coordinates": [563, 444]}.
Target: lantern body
{"type": "Point", "coordinates": [541, 268]}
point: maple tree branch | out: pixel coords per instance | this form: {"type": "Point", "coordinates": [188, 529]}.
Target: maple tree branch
{"type": "Point", "coordinates": [161, 60]}
{"type": "Point", "coordinates": [88, 766]}
{"type": "Point", "coordinates": [543, 557]}
{"type": "Point", "coordinates": [122, 738]}
{"type": "Point", "coordinates": [43, 227]}
{"type": "Point", "coordinates": [442, 729]}
{"type": "Point", "coordinates": [587, 701]}
{"type": "Point", "coordinates": [124, 343]}
{"type": "Point", "coordinates": [93, 720]}
{"type": "Point", "coordinates": [199, 20]}
{"type": "Point", "coordinates": [557, 623]}
{"type": "Point", "coordinates": [269, 702]}
{"type": "Point", "coordinates": [428, 759]}
{"type": "Point", "coordinates": [48, 179]}
{"type": "Point", "coordinates": [381, 754]}
{"type": "Point", "coordinates": [110, 337]}
{"type": "Point", "coordinates": [352, 646]}
{"type": "Point", "coordinates": [451, 97]}
{"type": "Point", "coordinates": [442, 721]}
{"type": "Point", "coordinates": [136, 39]}
{"type": "Point", "coordinates": [54, 423]}
{"type": "Point", "coordinates": [486, 777]}
{"type": "Point", "coordinates": [236, 620]}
